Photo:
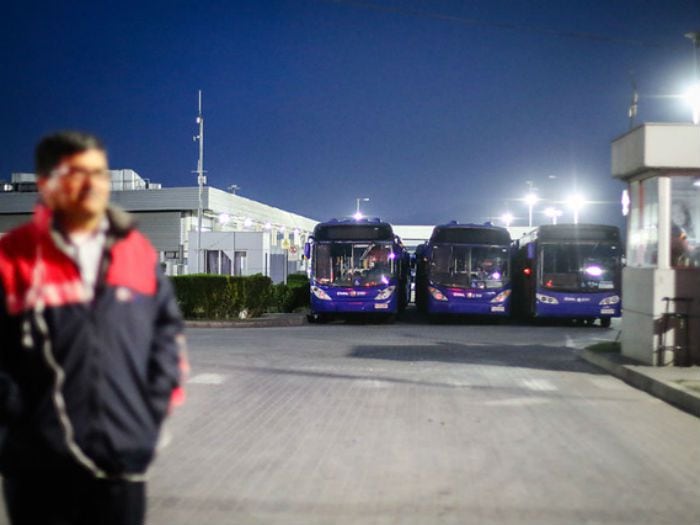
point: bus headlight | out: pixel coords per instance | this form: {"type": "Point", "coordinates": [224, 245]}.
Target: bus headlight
{"type": "Point", "coordinates": [505, 294]}
{"type": "Point", "coordinates": [320, 294]}
{"type": "Point", "coordinates": [385, 293]}
{"type": "Point", "coordinates": [546, 299]}
{"type": "Point", "coordinates": [437, 294]}
{"type": "Point", "coordinates": [613, 299]}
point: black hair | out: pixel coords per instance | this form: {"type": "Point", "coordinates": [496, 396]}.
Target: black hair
{"type": "Point", "coordinates": [52, 148]}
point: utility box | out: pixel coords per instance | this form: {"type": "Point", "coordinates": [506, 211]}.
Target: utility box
{"type": "Point", "coordinates": [661, 283]}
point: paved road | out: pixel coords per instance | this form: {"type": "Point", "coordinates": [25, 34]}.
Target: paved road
{"type": "Point", "coordinates": [419, 424]}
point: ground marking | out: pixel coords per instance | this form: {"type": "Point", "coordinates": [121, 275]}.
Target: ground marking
{"type": "Point", "coordinates": [207, 379]}
{"type": "Point", "coordinates": [539, 385]}
{"type": "Point", "coordinates": [517, 402]}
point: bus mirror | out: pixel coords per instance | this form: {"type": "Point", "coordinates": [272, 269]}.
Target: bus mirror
{"type": "Point", "coordinates": [307, 250]}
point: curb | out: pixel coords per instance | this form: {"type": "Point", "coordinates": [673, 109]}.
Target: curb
{"type": "Point", "coordinates": [258, 322]}
{"type": "Point", "coordinates": [634, 375]}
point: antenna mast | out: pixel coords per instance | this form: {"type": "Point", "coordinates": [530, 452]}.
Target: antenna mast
{"type": "Point", "coordinates": [632, 111]}
{"type": "Point", "coordinates": [201, 181]}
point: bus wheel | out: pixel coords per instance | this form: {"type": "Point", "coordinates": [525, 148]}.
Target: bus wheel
{"type": "Point", "coordinates": [605, 322]}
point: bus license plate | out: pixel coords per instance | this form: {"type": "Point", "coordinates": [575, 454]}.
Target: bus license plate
{"type": "Point", "coordinates": [609, 311]}
{"type": "Point", "coordinates": [381, 306]}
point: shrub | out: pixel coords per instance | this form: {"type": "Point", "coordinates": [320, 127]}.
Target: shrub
{"type": "Point", "coordinates": [297, 279]}
{"type": "Point", "coordinates": [206, 296]}
{"type": "Point", "coordinates": [293, 295]}
{"type": "Point", "coordinates": [256, 293]}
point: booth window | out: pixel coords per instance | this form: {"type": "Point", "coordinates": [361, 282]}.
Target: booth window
{"type": "Point", "coordinates": [643, 243]}
{"type": "Point", "coordinates": [685, 214]}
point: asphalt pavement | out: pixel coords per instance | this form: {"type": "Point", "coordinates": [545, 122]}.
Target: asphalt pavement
{"type": "Point", "coordinates": [419, 424]}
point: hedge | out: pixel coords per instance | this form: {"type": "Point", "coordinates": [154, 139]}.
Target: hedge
{"type": "Point", "coordinates": [204, 296]}
{"type": "Point", "coordinates": [294, 295]}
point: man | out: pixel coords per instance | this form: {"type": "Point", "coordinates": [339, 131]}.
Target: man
{"type": "Point", "coordinates": [90, 349]}
{"type": "Point", "coordinates": [680, 249]}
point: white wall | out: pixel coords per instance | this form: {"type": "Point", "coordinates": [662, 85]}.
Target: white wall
{"type": "Point", "coordinates": [255, 244]}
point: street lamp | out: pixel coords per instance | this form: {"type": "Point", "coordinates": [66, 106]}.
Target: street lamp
{"type": "Point", "coordinates": [553, 213]}
{"type": "Point", "coordinates": [507, 219]}
{"type": "Point", "coordinates": [576, 202]}
{"type": "Point", "coordinates": [693, 94]}
{"type": "Point", "coordinates": [358, 215]}
{"type": "Point", "coordinates": [530, 199]}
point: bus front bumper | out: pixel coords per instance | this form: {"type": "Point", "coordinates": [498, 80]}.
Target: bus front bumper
{"type": "Point", "coordinates": [466, 307]}
{"type": "Point", "coordinates": [390, 306]}
{"type": "Point", "coordinates": [577, 310]}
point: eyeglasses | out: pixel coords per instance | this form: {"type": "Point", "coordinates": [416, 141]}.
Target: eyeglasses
{"type": "Point", "coordinates": [75, 173]}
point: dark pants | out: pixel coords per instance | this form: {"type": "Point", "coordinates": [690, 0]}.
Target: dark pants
{"type": "Point", "coordinates": [59, 498]}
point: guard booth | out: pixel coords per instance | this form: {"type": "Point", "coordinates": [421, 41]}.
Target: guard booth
{"type": "Point", "coordinates": [661, 282]}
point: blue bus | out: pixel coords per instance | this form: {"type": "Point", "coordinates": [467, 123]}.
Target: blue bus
{"type": "Point", "coordinates": [357, 267]}
{"type": "Point", "coordinates": [570, 271]}
{"type": "Point", "coordinates": [464, 269]}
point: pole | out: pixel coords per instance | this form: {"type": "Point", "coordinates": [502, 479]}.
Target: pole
{"type": "Point", "coordinates": [695, 38]}
{"type": "Point", "coordinates": [200, 183]}
{"type": "Point", "coordinates": [530, 205]}
{"type": "Point", "coordinates": [634, 104]}
{"type": "Point", "coordinates": [357, 206]}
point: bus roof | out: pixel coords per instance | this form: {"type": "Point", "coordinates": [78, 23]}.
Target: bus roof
{"type": "Point", "coordinates": [365, 229]}
{"type": "Point", "coordinates": [456, 233]}
{"type": "Point", "coordinates": [583, 232]}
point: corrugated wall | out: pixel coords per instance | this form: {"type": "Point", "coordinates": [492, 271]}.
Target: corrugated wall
{"type": "Point", "coordinates": [162, 228]}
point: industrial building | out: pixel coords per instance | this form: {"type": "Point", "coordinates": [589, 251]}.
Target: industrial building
{"type": "Point", "coordinates": [239, 236]}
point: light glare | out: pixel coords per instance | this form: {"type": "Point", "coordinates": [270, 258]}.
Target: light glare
{"type": "Point", "coordinates": [507, 219]}
{"type": "Point", "coordinates": [531, 199]}
{"type": "Point", "coordinates": [692, 97]}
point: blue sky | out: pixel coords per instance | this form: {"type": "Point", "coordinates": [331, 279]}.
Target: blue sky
{"type": "Point", "coordinates": [436, 110]}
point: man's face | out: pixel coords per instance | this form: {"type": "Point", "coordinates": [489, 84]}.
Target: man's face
{"type": "Point", "coordinates": [78, 188]}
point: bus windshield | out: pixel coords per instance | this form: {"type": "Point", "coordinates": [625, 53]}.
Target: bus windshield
{"type": "Point", "coordinates": [579, 266]}
{"type": "Point", "coordinates": [354, 263]}
{"type": "Point", "coordinates": [469, 266]}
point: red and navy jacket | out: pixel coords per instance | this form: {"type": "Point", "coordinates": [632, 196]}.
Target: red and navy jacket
{"type": "Point", "coordinates": [86, 379]}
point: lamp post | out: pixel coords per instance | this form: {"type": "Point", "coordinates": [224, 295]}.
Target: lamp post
{"type": "Point", "coordinates": [693, 95]}
{"type": "Point", "coordinates": [358, 215]}
{"type": "Point", "coordinates": [553, 213]}
{"type": "Point", "coordinates": [507, 219]}
{"type": "Point", "coordinates": [575, 202]}
{"type": "Point", "coordinates": [530, 199]}
{"type": "Point", "coordinates": [201, 181]}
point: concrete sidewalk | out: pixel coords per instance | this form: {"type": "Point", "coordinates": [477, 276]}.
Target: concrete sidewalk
{"type": "Point", "coordinates": [679, 386]}
{"type": "Point", "coordinates": [265, 321]}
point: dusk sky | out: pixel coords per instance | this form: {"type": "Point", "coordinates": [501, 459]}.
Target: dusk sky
{"type": "Point", "coordinates": [435, 110]}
